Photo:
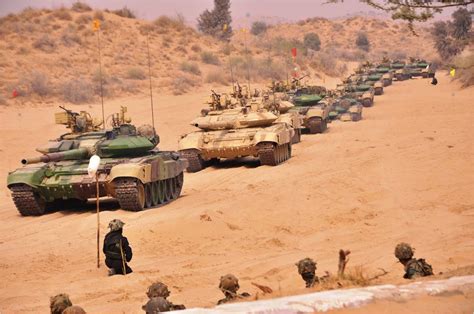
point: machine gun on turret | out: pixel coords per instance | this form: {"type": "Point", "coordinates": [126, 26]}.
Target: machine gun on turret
{"type": "Point", "coordinates": [77, 122]}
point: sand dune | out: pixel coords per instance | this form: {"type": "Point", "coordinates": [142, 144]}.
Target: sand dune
{"type": "Point", "coordinates": [403, 173]}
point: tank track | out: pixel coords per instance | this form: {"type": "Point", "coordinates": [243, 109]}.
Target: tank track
{"type": "Point", "coordinates": [195, 162]}
{"type": "Point", "coordinates": [316, 125]}
{"type": "Point", "coordinates": [367, 102]}
{"type": "Point", "coordinates": [126, 192]}
{"type": "Point", "coordinates": [27, 203]}
{"type": "Point", "coordinates": [378, 91]}
{"type": "Point", "coordinates": [272, 155]}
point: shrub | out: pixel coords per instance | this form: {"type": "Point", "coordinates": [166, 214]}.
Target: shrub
{"type": "Point", "coordinates": [45, 43]}
{"type": "Point", "coordinates": [190, 67]}
{"type": "Point", "coordinates": [209, 58]}
{"type": "Point", "coordinates": [62, 14]}
{"type": "Point", "coordinates": [217, 76]}
{"type": "Point", "coordinates": [124, 12]}
{"type": "Point", "coordinates": [99, 15]}
{"type": "Point", "coordinates": [462, 22]}
{"type": "Point", "coordinates": [311, 41]}
{"type": "Point", "coordinates": [136, 74]}
{"type": "Point", "coordinates": [38, 83]}
{"type": "Point", "coordinates": [84, 19]}
{"type": "Point", "coordinates": [80, 7]}
{"type": "Point", "coordinates": [217, 23]}
{"type": "Point", "coordinates": [70, 38]}
{"type": "Point", "coordinates": [258, 28]}
{"type": "Point", "coordinates": [362, 42]}
{"type": "Point", "coordinates": [182, 83]}
{"type": "Point", "coordinates": [3, 100]}
{"type": "Point", "coordinates": [169, 22]}
{"type": "Point", "coordinates": [196, 48]}
{"type": "Point", "coordinates": [77, 91]}
{"type": "Point", "coordinates": [465, 70]}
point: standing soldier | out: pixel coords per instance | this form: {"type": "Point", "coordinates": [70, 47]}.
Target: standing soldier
{"type": "Point", "coordinates": [117, 250]}
{"type": "Point", "coordinates": [413, 267]}
{"type": "Point", "coordinates": [229, 285]}
{"type": "Point", "coordinates": [307, 270]}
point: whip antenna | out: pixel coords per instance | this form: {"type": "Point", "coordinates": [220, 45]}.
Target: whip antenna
{"type": "Point", "coordinates": [151, 90]}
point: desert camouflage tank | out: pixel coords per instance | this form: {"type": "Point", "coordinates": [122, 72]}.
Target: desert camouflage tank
{"type": "Point", "coordinates": [387, 73]}
{"type": "Point", "coordinates": [232, 131]}
{"type": "Point", "coordinates": [401, 72]}
{"type": "Point", "coordinates": [343, 107]}
{"type": "Point", "coordinates": [425, 68]}
{"type": "Point", "coordinates": [315, 115]}
{"type": "Point", "coordinates": [132, 170]}
{"type": "Point", "coordinates": [361, 92]}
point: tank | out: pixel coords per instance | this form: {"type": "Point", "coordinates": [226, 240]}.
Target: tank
{"type": "Point", "coordinates": [314, 114]}
{"type": "Point", "coordinates": [426, 68]}
{"type": "Point", "coordinates": [401, 73]}
{"type": "Point", "coordinates": [229, 132]}
{"type": "Point", "coordinates": [363, 93]}
{"type": "Point", "coordinates": [132, 169]}
{"type": "Point", "coordinates": [345, 109]}
{"type": "Point", "coordinates": [386, 72]}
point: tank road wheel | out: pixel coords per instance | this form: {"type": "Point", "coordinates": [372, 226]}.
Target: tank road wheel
{"type": "Point", "coordinates": [155, 192]}
{"type": "Point", "coordinates": [195, 161]}
{"type": "Point", "coordinates": [267, 153]}
{"type": "Point", "coordinates": [148, 195]}
{"type": "Point", "coordinates": [130, 194]}
{"type": "Point", "coordinates": [176, 187]}
{"type": "Point", "coordinates": [317, 125]}
{"type": "Point", "coordinates": [289, 150]}
{"type": "Point", "coordinates": [386, 82]}
{"type": "Point", "coordinates": [161, 191]}
{"type": "Point", "coordinates": [378, 91]}
{"type": "Point", "coordinates": [424, 75]}
{"type": "Point", "coordinates": [26, 201]}
{"type": "Point", "coordinates": [297, 137]}
{"type": "Point", "coordinates": [168, 190]}
{"type": "Point", "coordinates": [179, 183]}
{"type": "Point", "coordinates": [356, 116]}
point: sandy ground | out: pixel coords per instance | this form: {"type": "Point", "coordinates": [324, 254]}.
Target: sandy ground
{"type": "Point", "coordinates": [404, 173]}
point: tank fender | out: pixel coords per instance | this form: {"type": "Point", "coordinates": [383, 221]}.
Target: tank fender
{"type": "Point", "coordinates": [316, 112]}
{"type": "Point", "coordinates": [263, 136]}
{"type": "Point", "coordinates": [29, 176]}
{"type": "Point", "coordinates": [191, 141]}
{"type": "Point", "coordinates": [140, 171]}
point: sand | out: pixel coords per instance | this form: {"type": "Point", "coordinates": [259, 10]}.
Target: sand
{"type": "Point", "coordinates": [403, 173]}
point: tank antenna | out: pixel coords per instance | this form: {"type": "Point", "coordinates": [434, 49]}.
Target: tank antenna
{"type": "Point", "coordinates": [97, 30]}
{"type": "Point", "coordinates": [151, 90]}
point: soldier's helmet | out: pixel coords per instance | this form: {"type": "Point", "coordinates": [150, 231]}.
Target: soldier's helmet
{"type": "Point", "coordinates": [156, 305]}
{"type": "Point", "coordinates": [74, 310]}
{"type": "Point", "coordinates": [116, 224]}
{"type": "Point", "coordinates": [158, 289]}
{"type": "Point", "coordinates": [403, 251]}
{"type": "Point", "coordinates": [229, 283]}
{"type": "Point", "coordinates": [59, 303]}
{"type": "Point", "coordinates": [306, 265]}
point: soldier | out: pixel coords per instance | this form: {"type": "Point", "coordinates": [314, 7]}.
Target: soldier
{"type": "Point", "coordinates": [59, 303]}
{"type": "Point", "coordinates": [160, 290]}
{"type": "Point", "coordinates": [74, 310]}
{"type": "Point", "coordinates": [117, 250]}
{"type": "Point", "coordinates": [413, 267]}
{"type": "Point", "coordinates": [156, 305]}
{"type": "Point", "coordinates": [229, 285]}
{"type": "Point", "coordinates": [307, 270]}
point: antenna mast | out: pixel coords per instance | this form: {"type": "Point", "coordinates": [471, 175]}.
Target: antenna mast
{"type": "Point", "coordinates": [151, 90]}
{"type": "Point", "coordinates": [97, 29]}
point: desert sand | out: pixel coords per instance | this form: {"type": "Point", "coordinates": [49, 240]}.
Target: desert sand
{"type": "Point", "coordinates": [403, 173]}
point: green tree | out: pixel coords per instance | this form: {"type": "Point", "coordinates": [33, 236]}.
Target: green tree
{"type": "Point", "coordinates": [362, 42]}
{"type": "Point", "coordinates": [462, 22]}
{"type": "Point", "coordinates": [217, 22]}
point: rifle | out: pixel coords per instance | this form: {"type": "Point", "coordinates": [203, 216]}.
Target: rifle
{"type": "Point", "coordinates": [124, 269]}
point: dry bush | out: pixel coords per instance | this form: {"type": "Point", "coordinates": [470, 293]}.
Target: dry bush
{"type": "Point", "coordinates": [328, 64]}
{"type": "Point", "coordinates": [80, 7]}
{"type": "Point", "coordinates": [465, 70]}
{"type": "Point", "coordinates": [181, 49]}
{"type": "Point", "coordinates": [217, 76]}
{"type": "Point", "coordinates": [135, 73]}
{"type": "Point", "coordinates": [397, 55]}
{"type": "Point", "coordinates": [227, 49]}
{"type": "Point", "coordinates": [23, 51]}
{"type": "Point", "coordinates": [62, 14]}
{"type": "Point", "coordinates": [362, 41]}
{"type": "Point", "coordinates": [84, 19]}
{"type": "Point", "coordinates": [70, 37]}
{"type": "Point", "coordinates": [77, 91]}
{"type": "Point", "coordinates": [45, 43]}
{"type": "Point", "coordinates": [183, 82]}
{"type": "Point", "coordinates": [196, 48]}
{"type": "Point", "coordinates": [166, 22]}
{"type": "Point", "coordinates": [38, 83]}
{"type": "Point", "coordinates": [99, 15]}
{"type": "Point", "coordinates": [266, 69]}
{"type": "Point", "coordinates": [209, 58]}
{"type": "Point", "coordinates": [259, 27]}
{"type": "Point", "coordinates": [3, 100]}
{"type": "Point", "coordinates": [190, 67]}
{"type": "Point", "coordinates": [124, 12]}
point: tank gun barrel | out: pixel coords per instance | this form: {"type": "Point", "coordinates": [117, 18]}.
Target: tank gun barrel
{"type": "Point", "coordinates": [73, 154]}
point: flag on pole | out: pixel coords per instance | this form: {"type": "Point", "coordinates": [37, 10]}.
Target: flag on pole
{"type": "Point", "coordinates": [452, 72]}
{"type": "Point", "coordinates": [96, 25]}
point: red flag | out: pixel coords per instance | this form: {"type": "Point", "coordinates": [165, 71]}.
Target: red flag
{"type": "Point", "coordinates": [14, 93]}
{"type": "Point", "coordinates": [293, 52]}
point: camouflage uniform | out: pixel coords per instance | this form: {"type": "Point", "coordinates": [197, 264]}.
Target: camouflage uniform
{"type": "Point", "coordinates": [116, 245]}
{"type": "Point", "coordinates": [59, 303]}
{"type": "Point", "coordinates": [229, 285]}
{"type": "Point", "coordinates": [74, 310]}
{"type": "Point", "coordinates": [307, 270]}
{"type": "Point", "coordinates": [160, 290]}
{"type": "Point", "coordinates": [413, 267]}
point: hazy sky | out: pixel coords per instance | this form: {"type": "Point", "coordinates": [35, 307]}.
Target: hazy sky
{"type": "Point", "coordinates": [150, 9]}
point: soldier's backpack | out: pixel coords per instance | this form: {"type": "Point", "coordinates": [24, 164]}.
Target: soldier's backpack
{"type": "Point", "coordinates": [426, 268]}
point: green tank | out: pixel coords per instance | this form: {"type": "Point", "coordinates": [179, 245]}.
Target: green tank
{"type": "Point", "coordinates": [363, 93]}
{"type": "Point", "coordinates": [132, 170]}
{"type": "Point", "coordinates": [345, 108]}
